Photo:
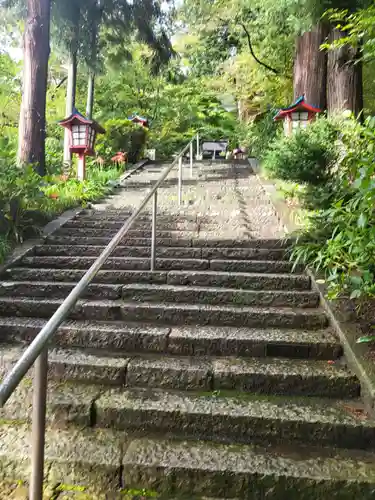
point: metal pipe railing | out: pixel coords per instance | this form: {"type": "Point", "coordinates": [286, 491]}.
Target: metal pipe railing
{"type": "Point", "coordinates": [37, 352]}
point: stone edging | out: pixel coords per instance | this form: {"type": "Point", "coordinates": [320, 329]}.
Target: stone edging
{"type": "Point", "coordinates": [346, 331]}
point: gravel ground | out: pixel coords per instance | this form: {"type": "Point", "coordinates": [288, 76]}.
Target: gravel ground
{"type": "Point", "coordinates": [228, 199]}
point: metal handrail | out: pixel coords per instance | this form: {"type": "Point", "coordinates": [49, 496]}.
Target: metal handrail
{"type": "Point", "coordinates": [37, 352]}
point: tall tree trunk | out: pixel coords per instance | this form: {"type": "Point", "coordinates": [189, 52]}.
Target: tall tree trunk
{"type": "Point", "coordinates": [90, 95]}
{"type": "Point", "coordinates": [32, 126]}
{"type": "Point", "coordinates": [310, 67]}
{"type": "Point", "coordinates": [345, 84]}
{"type": "Point", "coordinates": [71, 89]}
{"type": "Point", "coordinates": [95, 21]}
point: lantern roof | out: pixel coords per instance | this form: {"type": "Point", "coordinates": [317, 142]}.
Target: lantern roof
{"type": "Point", "coordinates": [299, 105]}
{"type": "Point", "coordinates": [77, 118]}
{"type": "Point", "coordinates": [139, 119]}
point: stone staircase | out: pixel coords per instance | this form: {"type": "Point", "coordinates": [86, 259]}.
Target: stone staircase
{"type": "Point", "coordinates": [215, 376]}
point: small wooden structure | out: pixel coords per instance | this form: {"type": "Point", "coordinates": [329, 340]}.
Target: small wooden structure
{"type": "Point", "coordinates": [214, 149]}
{"type": "Point", "coordinates": [140, 120]}
{"type": "Point", "coordinates": [296, 116]}
{"type": "Point", "coordinates": [82, 136]}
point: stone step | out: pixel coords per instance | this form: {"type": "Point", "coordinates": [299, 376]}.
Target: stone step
{"type": "Point", "coordinates": [276, 376]}
{"type": "Point", "coordinates": [135, 263]}
{"type": "Point", "coordinates": [192, 278]}
{"type": "Point", "coordinates": [262, 281]}
{"type": "Point", "coordinates": [186, 241]}
{"type": "Point", "coordinates": [135, 233]}
{"type": "Point", "coordinates": [127, 241]}
{"type": "Point", "coordinates": [124, 337]}
{"type": "Point", "coordinates": [146, 216]}
{"type": "Point", "coordinates": [57, 290]}
{"type": "Point", "coordinates": [273, 419]}
{"type": "Point", "coordinates": [98, 462]}
{"type": "Point", "coordinates": [212, 417]}
{"type": "Point", "coordinates": [164, 293]}
{"type": "Point", "coordinates": [121, 251]}
{"type": "Point", "coordinates": [169, 313]}
{"type": "Point", "coordinates": [176, 252]}
{"type": "Point", "coordinates": [139, 263]}
{"type": "Point", "coordinates": [117, 224]}
{"type": "Point", "coordinates": [205, 295]}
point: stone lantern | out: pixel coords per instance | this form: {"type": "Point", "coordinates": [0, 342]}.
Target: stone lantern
{"type": "Point", "coordinates": [82, 136]}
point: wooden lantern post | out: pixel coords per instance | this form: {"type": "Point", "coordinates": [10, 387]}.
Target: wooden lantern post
{"type": "Point", "coordinates": [82, 136]}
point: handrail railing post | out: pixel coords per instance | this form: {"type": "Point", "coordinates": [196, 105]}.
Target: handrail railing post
{"type": "Point", "coordinates": [153, 235]}
{"type": "Point", "coordinates": [191, 159]}
{"type": "Point", "coordinates": [38, 425]}
{"type": "Point", "coordinates": [197, 145]}
{"type": "Point", "coordinates": [37, 352]}
{"type": "Point", "coordinates": [180, 180]}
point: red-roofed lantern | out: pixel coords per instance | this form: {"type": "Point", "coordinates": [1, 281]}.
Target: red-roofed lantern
{"type": "Point", "coordinates": [82, 136]}
{"type": "Point", "coordinates": [298, 115]}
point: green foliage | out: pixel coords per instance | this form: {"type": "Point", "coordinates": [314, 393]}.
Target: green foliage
{"type": "Point", "coordinates": [257, 135]}
{"type": "Point", "coordinates": [29, 201]}
{"type": "Point", "coordinates": [124, 136]}
{"type": "Point", "coordinates": [358, 27]}
{"type": "Point", "coordinates": [305, 157]}
{"type": "Point", "coordinates": [340, 240]}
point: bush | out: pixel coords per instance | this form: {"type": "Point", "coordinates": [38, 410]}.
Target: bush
{"type": "Point", "coordinates": [29, 201]}
{"type": "Point", "coordinates": [257, 135]}
{"type": "Point", "coordinates": [340, 240]}
{"type": "Point", "coordinates": [306, 157]}
{"type": "Point", "coordinates": [122, 135]}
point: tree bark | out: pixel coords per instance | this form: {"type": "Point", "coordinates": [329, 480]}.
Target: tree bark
{"type": "Point", "coordinates": [32, 126]}
{"type": "Point", "coordinates": [90, 95]}
{"type": "Point", "coordinates": [345, 83]}
{"type": "Point", "coordinates": [71, 86]}
{"type": "Point", "coordinates": [310, 67]}
{"type": "Point", "coordinates": [96, 17]}
{"type": "Point", "coordinates": [70, 103]}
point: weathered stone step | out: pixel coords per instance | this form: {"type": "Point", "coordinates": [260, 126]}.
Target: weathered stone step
{"type": "Point", "coordinates": [249, 471]}
{"type": "Point", "coordinates": [173, 314]}
{"type": "Point", "coordinates": [228, 419]}
{"type": "Point", "coordinates": [121, 251]}
{"type": "Point", "coordinates": [117, 224]}
{"type": "Point", "coordinates": [121, 337]}
{"type": "Point", "coordinates": [186, 241]}
{"type": "Point", "coordinates": [164, 293]}
{"type": "Point", "coordinates": [205, 295]}
{"type": "Point", "coordinates": [100, 461]}
{"type": "Point", "coordinates": [68, 262]}
{"type": "Point", "coordinates": [127, 240]}
{"type": "Point", "coordinates": [263, 376]}
{"type": "Point", "coordinates": [177, 252]}
{"type": "Point", "coordinates": [262, 281]}
{"type": "Point", "coordinates": [49, 289]}
{"type": "Point", "coordinates": [139, 263]}
{"type": "Point", "coordinates": [242, 419]}
{"type": "Point", "coordinates": [74, 275]}
{"type": "Point", "coordinates": [117, 215]}
{"type": "Point", "coordinates": [192, 278]}
{"type": "Point", "coordinates": [135, 233]}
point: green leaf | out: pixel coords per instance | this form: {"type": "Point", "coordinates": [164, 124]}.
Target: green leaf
{"type": "Point", "coordinates": [362, 221]}
{"type": "Point", "coordinates": [355, 294]}
{"type": "Point", "coordinates": [366, 340]}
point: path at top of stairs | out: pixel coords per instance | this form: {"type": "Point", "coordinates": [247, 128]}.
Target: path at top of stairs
{"type": "Point", "coordinates": [217, 375]}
